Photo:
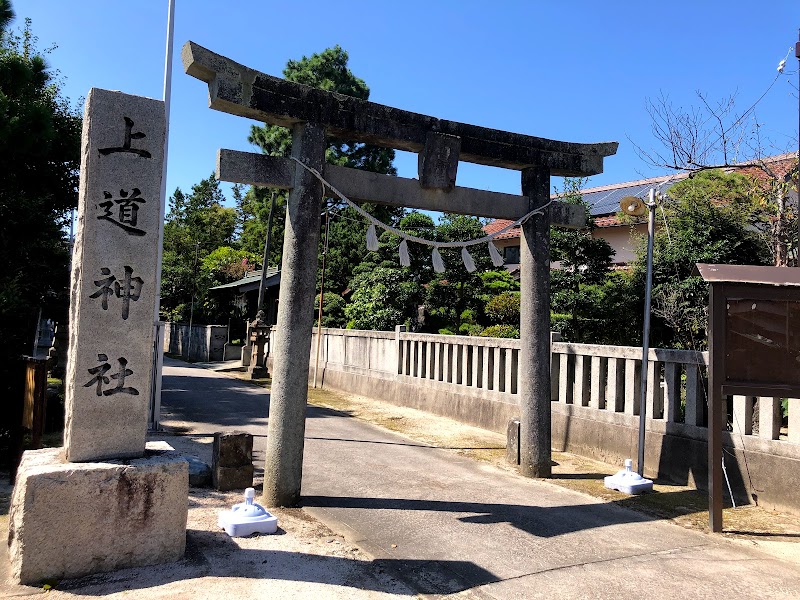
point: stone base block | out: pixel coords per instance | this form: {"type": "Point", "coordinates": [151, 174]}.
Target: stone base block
{"type": "Point", "coordinates": [73, 519]}
{"type": "Point", "coordinates": [226, 479]}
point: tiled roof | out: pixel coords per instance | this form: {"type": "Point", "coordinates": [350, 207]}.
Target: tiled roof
{"type": "Point", "coordinates": [499, 224]}
{"type": "Point", "coordinates": [610, 221]}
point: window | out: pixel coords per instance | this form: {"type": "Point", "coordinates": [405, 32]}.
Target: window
{"type": "Point", "coordinates": [511, 254]}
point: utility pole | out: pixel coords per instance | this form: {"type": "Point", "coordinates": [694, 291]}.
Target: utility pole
{"type": "Point", "coordinates": [265, 263]}
{"type": "Point", "coordinates": [321, 295]}
{"type": "Point", "coordinates": [797, 54]}
{"type": "Point", "coordinates": [191, 309]}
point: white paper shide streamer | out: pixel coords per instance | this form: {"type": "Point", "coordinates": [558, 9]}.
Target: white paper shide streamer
{"type": "Point", "coordinates": [372, 238]}
{"type": "Point", "coordinates": [405, 259]}
{"type": "Point", "coordinates": [469, 264]}
{"type": "Point", "coordinates": [436, 257]}
{"type": "Point", "coordinates": [494, 253]}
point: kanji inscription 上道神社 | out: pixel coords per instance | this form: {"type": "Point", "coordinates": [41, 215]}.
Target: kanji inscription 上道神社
{"type": "Point", "coordinates": [112, 313]}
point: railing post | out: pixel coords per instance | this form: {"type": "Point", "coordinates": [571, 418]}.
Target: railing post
{"type": "Point", "coordinates": [743, 415]}
{"type": "Point", "coordinates": [598, 382]}
{"type": "Point", "coordinates": [794, 420]}
{"type": "Point", "coordinates": [555, 373]}
{"type": "Point", "coordinates": [583, 382]}
{"type": "Point", "coordinates": [769, 417]}
{"type": "Point", "coordinates": [695, 399]}
{"type": "Point", "coordinates": [398, 329]}
{"type": "Point", "coordinates": [633, 381]}
{"type": "Point", "coordinates": [655, 398]}
{"type": "Point", "coordinates": [672, 402]}
{"type": "Point", "coordinates": [615, 386]}
{"type": "Point", "coordinates": [565, 380]}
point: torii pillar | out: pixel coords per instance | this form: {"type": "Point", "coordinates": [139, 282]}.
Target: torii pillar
{"type": "Point", "coordinates": [312, 114]}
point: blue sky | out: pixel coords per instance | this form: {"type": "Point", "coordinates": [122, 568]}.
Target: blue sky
{"type": "Point", "coordinates": [575, 71]}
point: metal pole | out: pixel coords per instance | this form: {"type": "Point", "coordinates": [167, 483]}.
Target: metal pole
{"type": "Point", "coordinates": [167, 99]}
{"type": "Point", "coordinates": [262, 286]}
{"type": "Point", "coordinates": [321, 296]}
{"type": "Point", "coordinates": [158, 362]}
{"type": "Point", "coordinates": [191, 309]}
{"type": "Point", "coordinates": [651, 221]}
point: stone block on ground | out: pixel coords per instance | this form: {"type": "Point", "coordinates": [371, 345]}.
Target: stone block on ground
{"type": "Point", "coordinates": [73, 519]}
{"type": "Point", "coordinates": [232, 461]}
{"type": "Point", "coordinates": [226, 479]}
{"type": "Point", "coordinates": [512, 442]}
{"type": "Point", "coordinates": [199, 471]}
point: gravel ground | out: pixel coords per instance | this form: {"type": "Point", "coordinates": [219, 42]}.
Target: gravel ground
{"type": "Point", "coordinates": [304, 559]}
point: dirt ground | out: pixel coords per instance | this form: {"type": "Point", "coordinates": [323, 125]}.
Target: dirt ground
{"type": "Point", "coordinates": [307, 560]}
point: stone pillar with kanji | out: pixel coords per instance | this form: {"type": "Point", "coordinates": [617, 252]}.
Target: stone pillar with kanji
{"type": "Point", "coordinates": [108, 499]}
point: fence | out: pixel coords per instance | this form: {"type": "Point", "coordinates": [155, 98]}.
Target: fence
{"type": "Point", "coordinates": [595, 405]}
{"type": "Point", "coordinates": [206, 343]}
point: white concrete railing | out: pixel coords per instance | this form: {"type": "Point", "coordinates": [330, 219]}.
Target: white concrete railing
{"type": "Point", "coordinates": [603, 378]}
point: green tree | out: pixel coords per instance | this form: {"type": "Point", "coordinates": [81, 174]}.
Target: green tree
{"type": "Point", "coordinates": [454, 300]}
{"type": "Point", "coordinates": [197, 224]}
{"type": "Point", "coordinates": [332, 310]}
{"type": "Point", "coordinates": [381, 299]}
{"type": "Point", "coordinates": [498, 281]}
{"type": "Point", "coordinates": [707, 221]}
{"type": "Point", "coordinates": [39, 161]}
{"type": "Point", "coordinates": [327, 70]}
{"type": "Point", "coordinates": [584, 261]}
{"type": "Point", "coordinates": [253, 211]}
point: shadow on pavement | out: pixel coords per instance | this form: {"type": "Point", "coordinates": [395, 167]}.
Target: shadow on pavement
{"type": "Point", "coordinates": [539, 521]}
{"type": "Point", "coordinates": [214, 554]}
{"type": "Point", "coordinates": [410, 444]}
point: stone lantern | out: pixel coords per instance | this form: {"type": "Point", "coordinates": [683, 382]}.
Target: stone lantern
{"type": "Point", "coordinates": [259, 335]}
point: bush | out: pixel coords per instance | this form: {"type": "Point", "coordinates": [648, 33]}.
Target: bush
{"type": "Point", "coordinates": [503, 309]}
{"type": "Point", "coordinates": [470, 329]}
{"type": "Point", "coordinates": [500, 331]}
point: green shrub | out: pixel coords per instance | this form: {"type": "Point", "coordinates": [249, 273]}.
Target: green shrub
{"type": "Point", "coordinates": [500, 331]}
{"type": "Point", "coordinates": [503, 309]}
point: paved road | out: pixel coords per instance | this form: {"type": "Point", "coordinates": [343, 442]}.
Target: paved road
{"type": "Point", "coordinates": [446, 524]}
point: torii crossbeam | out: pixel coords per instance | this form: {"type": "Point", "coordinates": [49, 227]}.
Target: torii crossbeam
{"type": "Point", "coordinates": [314, 114]}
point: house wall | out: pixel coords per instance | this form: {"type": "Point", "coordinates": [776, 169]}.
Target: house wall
{"type": "Point", "coordinates": [624, 239]}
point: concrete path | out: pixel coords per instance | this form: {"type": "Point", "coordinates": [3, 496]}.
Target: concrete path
{"type": "Point", "coordinates": [449, 525]}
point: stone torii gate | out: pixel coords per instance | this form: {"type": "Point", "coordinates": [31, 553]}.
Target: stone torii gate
{"type": "Point", "coordinates": [313, 114]}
